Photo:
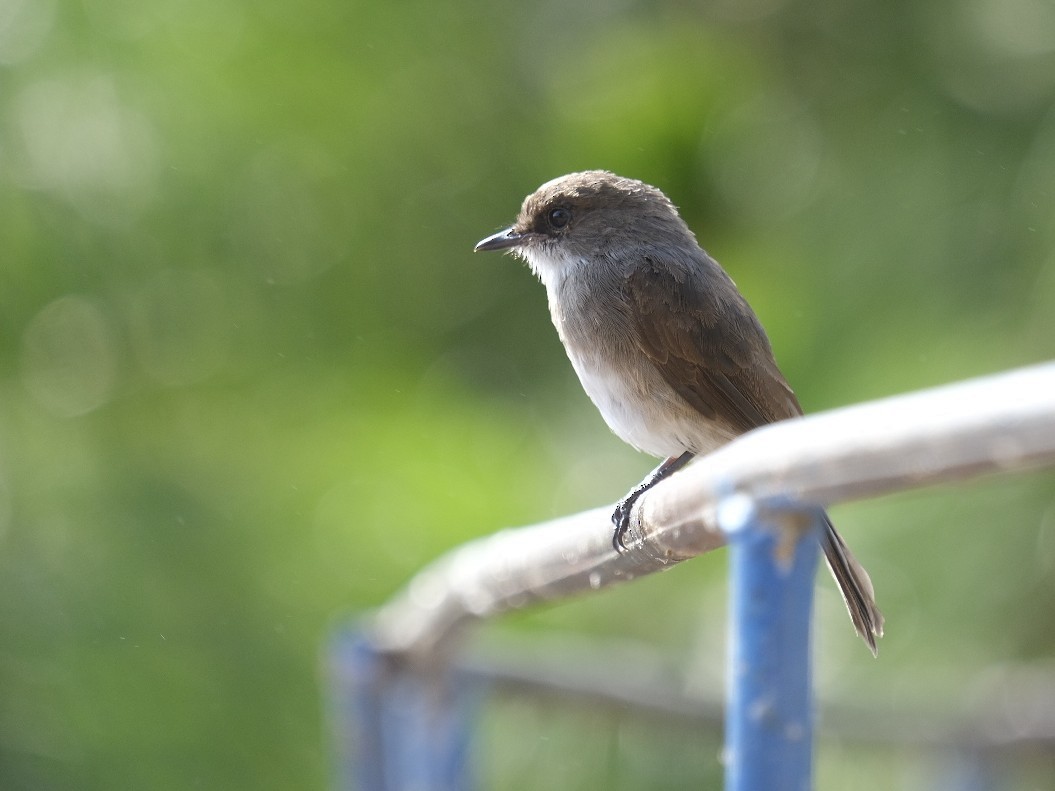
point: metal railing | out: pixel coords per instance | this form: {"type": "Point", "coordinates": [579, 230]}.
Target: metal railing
{"type": "Point", "coordinates": [405, 698]}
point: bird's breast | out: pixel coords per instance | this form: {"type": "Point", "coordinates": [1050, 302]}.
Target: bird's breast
{"type": "Point", "coordinates": [638, 405]}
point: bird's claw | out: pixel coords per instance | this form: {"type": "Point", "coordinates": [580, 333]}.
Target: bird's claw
{"type": "Point", "coordinates": [621, 520]}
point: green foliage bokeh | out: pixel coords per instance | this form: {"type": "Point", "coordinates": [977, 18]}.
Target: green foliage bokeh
{"type": "Point", "coordinates": [252, 376]}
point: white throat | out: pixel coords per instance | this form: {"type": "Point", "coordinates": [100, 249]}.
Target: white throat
{"type": "Point", "coordinates": [550, 266]}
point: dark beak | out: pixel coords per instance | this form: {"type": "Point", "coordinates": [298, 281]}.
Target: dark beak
{"type": "Point", "coordinates": [501, 240]}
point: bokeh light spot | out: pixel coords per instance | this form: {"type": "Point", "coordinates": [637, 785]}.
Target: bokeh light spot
{"type": "Point", "coordinates": [78, 139]}
{"type": "Point", "coordinates": [24, 26]}
{"type": "Point", "coordinates": [69, 362]}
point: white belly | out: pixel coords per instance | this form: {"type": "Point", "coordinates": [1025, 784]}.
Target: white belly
{"type": "Point", "coordinates": [643, 410]}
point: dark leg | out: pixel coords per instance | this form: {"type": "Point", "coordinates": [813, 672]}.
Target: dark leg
{"type": "Point", "coordinates": [621, 515]}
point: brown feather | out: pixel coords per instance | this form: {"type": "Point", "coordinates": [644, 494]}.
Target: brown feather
{"type": "Point", "coordinates": [709, 346]}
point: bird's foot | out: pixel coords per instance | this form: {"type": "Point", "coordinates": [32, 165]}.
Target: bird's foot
{"type": "Point", "coordinates": [621, 520]}
{"type": "Point", "coordinates": [621, 515]}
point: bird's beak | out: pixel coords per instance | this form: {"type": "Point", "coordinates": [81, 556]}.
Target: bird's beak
{"type": "Point", "coordinates": [501, 241]}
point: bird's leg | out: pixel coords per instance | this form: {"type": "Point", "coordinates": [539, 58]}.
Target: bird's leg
{"type": "Point", "coordinates": [621, 515]}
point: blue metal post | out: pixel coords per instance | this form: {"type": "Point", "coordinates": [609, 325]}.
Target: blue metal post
{"type": "Point", "coordinates": [968, 768]}
{"type": "Point", "coordinates": [398, 729]}
{"type": "Point", "coordinates": [769, 700]}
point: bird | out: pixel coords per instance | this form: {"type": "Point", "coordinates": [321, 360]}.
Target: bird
{"type": "Point", "coordinates": [662, 340]}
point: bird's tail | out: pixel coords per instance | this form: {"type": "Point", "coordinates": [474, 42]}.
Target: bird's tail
{"type": "Point", "coordinates": [855, 586]}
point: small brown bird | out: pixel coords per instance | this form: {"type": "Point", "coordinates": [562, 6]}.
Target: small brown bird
{"type": "Point", "coordinates": [663, 342]}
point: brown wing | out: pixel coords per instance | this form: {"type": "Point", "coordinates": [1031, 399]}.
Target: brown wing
{"type": "Point", "coordinates": [707, 343]}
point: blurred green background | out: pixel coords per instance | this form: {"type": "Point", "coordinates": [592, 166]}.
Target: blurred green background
{"type": "Point", "coordinates": [253, 376]}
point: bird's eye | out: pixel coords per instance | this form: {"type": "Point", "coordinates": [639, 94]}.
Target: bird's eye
{"type": "Point", "coordinates": [559, 217]}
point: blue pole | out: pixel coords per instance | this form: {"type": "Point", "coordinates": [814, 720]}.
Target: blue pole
{"type": "Point", "coordinates": [769, 700]}
{"type": "Point", "coordinates": [398, 729]}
